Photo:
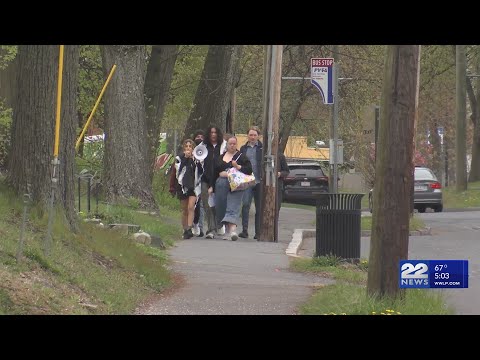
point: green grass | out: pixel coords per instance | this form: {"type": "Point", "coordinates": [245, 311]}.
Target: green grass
{"type": "Point", "coordinates": [332, 267]}
{"type": "Point", "coordinates": [465, 199]}
{"type": "Point", "coordinates": [96, 271]}
{"type": "Point", "coordinates": [349, 299]}
{"type": "Point", "coordinates": [298, 206]}
{"type": "Point", "coordinates": [348, 295]}
{"type": "Point", "coordinates": [416, 223]}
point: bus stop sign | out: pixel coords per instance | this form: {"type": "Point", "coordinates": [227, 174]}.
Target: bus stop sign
{"type": "Point", "coordinates": [322, 77]}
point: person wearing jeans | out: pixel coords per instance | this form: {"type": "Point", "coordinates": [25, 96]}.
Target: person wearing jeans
{"type": "Point", "coordinates": [227, 202]}
{"type": "Point", "coordinates": [215, 146]}
{"type": "Point", "coordinates": [253, 151]}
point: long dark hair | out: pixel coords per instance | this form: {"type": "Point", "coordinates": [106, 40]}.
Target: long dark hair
{"type": "Point", "coordinates": [207, 140]}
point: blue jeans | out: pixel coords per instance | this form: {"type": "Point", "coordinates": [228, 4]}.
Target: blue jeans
{"type": "Point", "coordinates": [227, 203]}
{"type": "Point", "coordinates": [251, 193]}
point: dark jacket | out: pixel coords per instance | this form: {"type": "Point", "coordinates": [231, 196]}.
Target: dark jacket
{"type": "Point", "coordinates": [209, 162]}
{"type": "Point", "coordinates": [243, 150]}
{"type": "Point", "coordinates": [221, 165]}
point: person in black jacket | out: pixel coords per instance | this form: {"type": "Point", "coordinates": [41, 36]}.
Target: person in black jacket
{"type": "Point", "coordinates": [253, 151]}
{"type": "Point", "coordinates": [185, 184]}
{"type": "Point", "coordinates": [227, 202]}
{"type": "Point", "coordinates": [215, 146]}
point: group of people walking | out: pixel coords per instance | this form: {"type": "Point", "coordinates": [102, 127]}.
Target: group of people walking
{"type": "Point", "coordinates": [204, 189]}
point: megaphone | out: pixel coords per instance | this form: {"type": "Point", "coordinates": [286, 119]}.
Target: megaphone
{"type": "Point", "coordinates": [200, 152]}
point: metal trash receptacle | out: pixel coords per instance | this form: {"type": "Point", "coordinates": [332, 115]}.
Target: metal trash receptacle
{"type": "Point", "coordinates": [338, 225]}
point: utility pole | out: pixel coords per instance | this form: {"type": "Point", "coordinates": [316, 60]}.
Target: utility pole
{"type": "Point", "coordinates": [394, 170]}
{"type": "Point", "coordinates": [334, 125]}
{"type": "Point", "coordinates": [271, 111]}
{"type": "Point", "coordinates": [460, 136]}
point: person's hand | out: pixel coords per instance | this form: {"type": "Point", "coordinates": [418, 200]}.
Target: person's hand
{"type": "Point", "coordinates": [235, 165]}
{"type": "Point", "coordinates": [210, 190]}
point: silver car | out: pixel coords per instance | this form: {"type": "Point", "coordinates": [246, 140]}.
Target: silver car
{"type": "Point", "coordinates": [427, 191]}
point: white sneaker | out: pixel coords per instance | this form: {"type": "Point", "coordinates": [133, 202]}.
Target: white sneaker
{"type": "Point", "coordinates": [234, 236]}
{"type": "Point", "coordinates": [196, 229]}
{"type": "Point", "coordinates": [221, 231]}
{"type": "Point", "coordinates": [227, 236]}
{"type": "Point", "coordinates": [209, 236]}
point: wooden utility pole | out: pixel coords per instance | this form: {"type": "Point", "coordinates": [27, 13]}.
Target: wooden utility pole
{"type": "Point", "coordinates": [460, 136]}
{"type": "Point", "coordinates": [271, 112]}
{"type": "Point", "coordinates": [394, 170]}
{"type": "Point", "coordinates": [333, 176]}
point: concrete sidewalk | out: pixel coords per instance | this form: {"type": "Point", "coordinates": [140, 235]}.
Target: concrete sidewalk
{"type": "Point", "coordinates": [238, 278]}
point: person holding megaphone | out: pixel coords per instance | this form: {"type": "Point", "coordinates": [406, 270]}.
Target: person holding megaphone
{"type": "Point", "coordinates": [186, 184]}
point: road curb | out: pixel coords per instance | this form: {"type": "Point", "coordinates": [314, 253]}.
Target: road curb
{"type": "Point", "coordinates": [297, 240]}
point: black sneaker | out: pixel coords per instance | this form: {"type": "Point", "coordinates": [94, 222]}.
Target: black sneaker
{"type": "Point", "coordinates": [255, 237]}
{"type": "Point", "coordinates": [201, 234]}
{"type": "Point", "coordinates": [185, 234]}
{"type": "Point", "coordinates": [243, 234]}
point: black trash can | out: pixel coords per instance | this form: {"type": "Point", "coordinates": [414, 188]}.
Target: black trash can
{"type": "Point", "coordinates": [338, 227]}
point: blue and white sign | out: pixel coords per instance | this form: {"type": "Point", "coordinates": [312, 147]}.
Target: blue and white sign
{"type": "Point", "coordinates": [322, 77]}
{"type": "Point", "coordinates": [428, 274]}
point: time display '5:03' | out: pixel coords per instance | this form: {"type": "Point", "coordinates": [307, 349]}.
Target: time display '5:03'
{"type": "Point", "coordinates": [442, 276]}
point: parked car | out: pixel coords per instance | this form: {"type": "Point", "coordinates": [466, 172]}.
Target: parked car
{"type": "Point", "coordinates": [304, 180]}
{"type": "Point", "coordinates": [427, 191]}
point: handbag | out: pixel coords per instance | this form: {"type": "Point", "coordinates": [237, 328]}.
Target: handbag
{"type": "Point", "coordinates": [238, 180]}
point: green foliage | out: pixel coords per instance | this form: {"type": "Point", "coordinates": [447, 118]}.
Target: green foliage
{"type": "Point", "coordinates": [5, 125]}
{"type": "Point", "coordinates": [7, 54]}
{"type": "Point", "coordinates": [161, 187]}
{"type": "Point", "coordinates": [186, 77]}
{"type": "Point", "coordinates": [329, 260]}
{"type": "Point", "coordinates": [91, 79]}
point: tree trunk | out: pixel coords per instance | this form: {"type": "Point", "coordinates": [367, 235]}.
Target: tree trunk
{"type": "Point", "coordinates": [475, 117]}
{"type": "Point", "coordinates": [272, 90]}
{"type": "Point", "coordinates": [394, 170]}
{"type": "Point", "coordinates": [126, 164]}
{"type": "Point", "coordinates": [157, 86]}
{"type": "Point", "coordinates": [33, 134]}
{"type": "Point", "coordinates": [460, 135]}
{"type": "Point", "coordinates": [214, 92]}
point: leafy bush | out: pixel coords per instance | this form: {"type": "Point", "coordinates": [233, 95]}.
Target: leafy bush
{"type": "Point", "coordinates": [5, 125]}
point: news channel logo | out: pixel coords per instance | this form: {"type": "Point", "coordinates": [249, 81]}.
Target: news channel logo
{"type": "Point", "coordinates": [414, 274]}
{"type": "Point", "coordinates": [429, 274]}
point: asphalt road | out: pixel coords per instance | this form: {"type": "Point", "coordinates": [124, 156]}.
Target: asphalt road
{"type": "Point", "coordinates": [455, 236]}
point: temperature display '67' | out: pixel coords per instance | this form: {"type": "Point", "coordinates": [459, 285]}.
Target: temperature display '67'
{"type": "Point", "coordinates": [433, 274]}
